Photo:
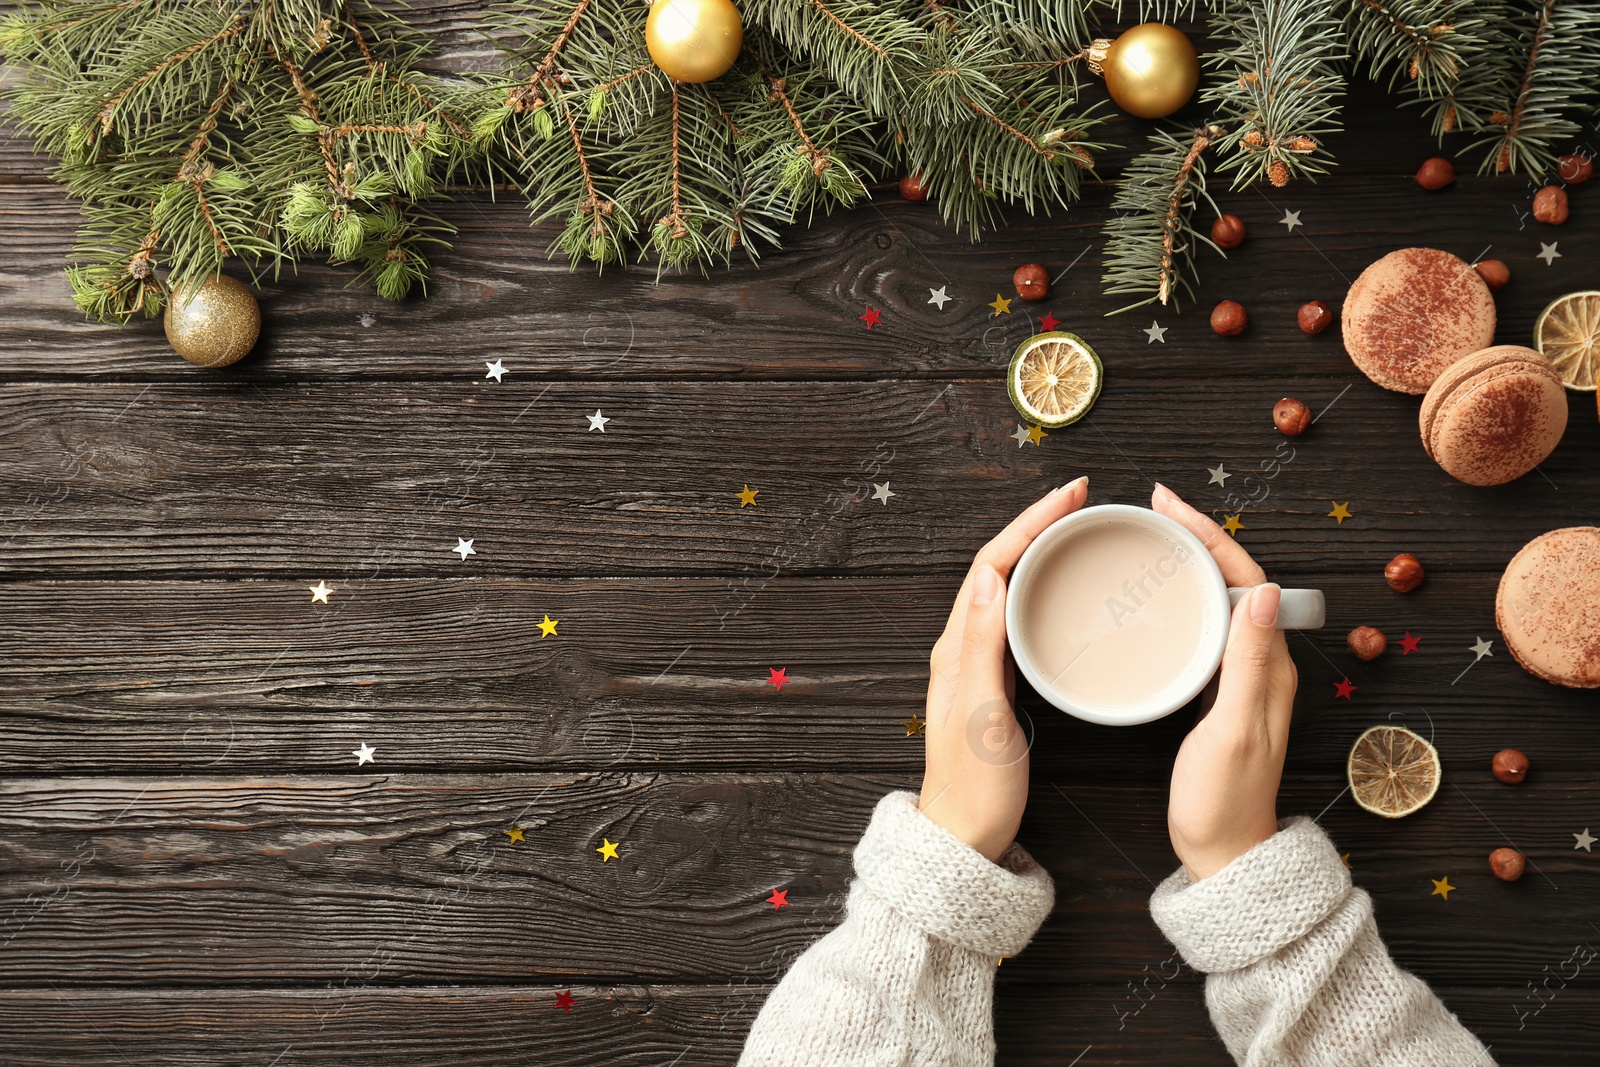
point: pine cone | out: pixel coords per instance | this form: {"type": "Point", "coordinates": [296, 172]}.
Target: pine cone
{"type": "Point", "coordinates": [1278, 173]}
{"type": "Point", "coordinates": [1302, 144]}
{"type": "Point", "coordinates": [1447, 122]}
{"type": "Point", "coordinates": [1416, 67]}
{"type": "Point", "coordinates": [1254, 139]}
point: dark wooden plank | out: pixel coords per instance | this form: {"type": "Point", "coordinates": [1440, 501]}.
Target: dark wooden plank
{"type": "Point", "coordinates": [296, 880]}
{"type": "Point", "coordinates": [354, 481]}
{"type": "Point", "coordinates": [233, 678]}
{"type": "Point", "coordinates": [796, 315]}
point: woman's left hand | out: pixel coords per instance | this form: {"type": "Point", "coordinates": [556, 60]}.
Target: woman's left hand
{"type": "Point", "coordinates": [976, 784]}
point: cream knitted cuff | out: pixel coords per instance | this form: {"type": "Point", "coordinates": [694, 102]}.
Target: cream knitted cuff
{"type": "Point", "coordinates": [947, 888]}
{"type": "Point", "coordinates": [1264, 900]}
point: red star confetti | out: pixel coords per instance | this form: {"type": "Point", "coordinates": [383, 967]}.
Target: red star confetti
{"type": "Point", "coordinates": [1343, 689]}
{"type": "Point", "coordinates": [872, 317]}
{"type": "Point", "coordinates": [777, 676]}
{"type": "Point", "coordinates": [1409, 643]}
{"type": "Point", "coordinates": [564, 1001]}
{"type": "Point", "coordinates": [1049, 322]}
{"type": "Point", "coordinates": [778, 899]}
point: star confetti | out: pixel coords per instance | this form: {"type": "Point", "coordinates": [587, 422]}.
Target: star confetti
{"type": "Point", "coordinates": [1344, 689]}
{"type": "Point", "coordinates": [496, 369]}
{"type": "Point", "coordinates": [464, 546]}
{"type": "Point", "coordinates": [1480, 649]}
{"type": "Point", "coordinates": [1584, 840]}
{"type": "Point", "coordinates": [1049, 322]}
{"type": "Point", "coordinates": [547, 628]}
{"type": "Point", "coordinates": [1233, 525]}
{"type": "Point", "coordinates": [1548, 253]}
{"type": "Point", "coordinates": [881, 492]}
{"type": "Point", "coordinates": [1441, 887]}
{"type": "Point", "coordinates": [1001, 305]}
{"type": "Point", "coordinates": [597, 421]}
{"type": "Point", "coordinates": [1036, 434]}
{"type": "Point", "coordinates": [1218, 476]}
{"type": "Point", "coordinates": [938, 296]}
{"type": "Point", "coordinates": [1408, 644]}
{"type": "Point", "coordinates": [1156, 332]}
{"type": "Point", "coordinates": [564, 1001]}
{"type": "Point", "coordinates": [1340, 511]}
{"type": "Point", "coordinates": [872, 317]}
{"type": "Point", "coordinates": [779, 898]}
{"type": "Point", "coordinates": [1291, 219]}
{"type": "Point", "coordinates": [777, 676]}
{"type": "Point", "coordinates": [607, 850]}
{"type": "Point", "coordinates": [363, 754]}
{"type": "Point", "coordinates": [1344, 858]}
{"type": "Point", "coordinates": [913, 725]}
{"type": "Point", "coordinates": [747, 496]}
{"type": "Point", "coordinates": [319, 592]}
{"type": "Point", "coordinates": [515, 833]}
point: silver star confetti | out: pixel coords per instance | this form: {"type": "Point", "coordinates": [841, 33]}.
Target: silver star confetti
{"type": "Point", "coordinates": [364, 754]}
{"type": "Point", "coordinates": [1218, 476]}
{"type": "Point", "coordinates": [465, 548]}
{"type": "Point", "coordinates": [1584, 840]}
{"type": "Point", "coordinates": [597, 421]}
{"type": "Point", "coordinates": [881, 492]}
{"type": "Point", "coordinates": [1156, 332]}
{"type": "Point", "coordinates": [496, 369]}
{"type": "Point", "coordinates": [1291, 219]}
{"type": "Point", "coordinates": [938, 296]}
{"type": "Point", "coordinates": [1548, 253]}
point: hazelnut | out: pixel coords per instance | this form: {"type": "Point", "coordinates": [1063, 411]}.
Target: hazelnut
{"type": "Point", "coordinates": [1550, 205]}
{"type": "Point", "coordinates": [1367, 643]}
{"type": "Point", "coordinates": [912, 187]}
{"type": "Point", "coordinates": [1291, 416]}
{"type": "Point", "coordinates": [1575, 169]}
{"type": "Point", "coordinates": [1436, 173]}
{"type": "Point", "coordinates": [1510, 766]}
{"type": "Point", "coordinates": [1228, 318]}
{"type": "Point", "coordinates": [1403, 573]}
{"type": "Point", "coordinates": [1227, 231]}
{"type": "Point", "coordinates": [1032, 281]}
{"type": "Point", "coordinates": [1315, 316]}
{"type": "Point", "coordinates": [1494, 273]}
{"type": "Point", "coordinates": [1507, 864]}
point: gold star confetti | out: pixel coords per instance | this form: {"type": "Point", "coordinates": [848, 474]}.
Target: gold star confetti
{"type": "Point", "coordinates": [548, 627]}
{"type": "Point", "coordinates": [1001, 305]}
{"type": "Point", "coordinates": [1344, 858]}
{"type": "Point", "coordinates": [1340, 511]}
{"type": "Point", "coordinates": [1233, 525]}
{"type": "Point", "coordinates": [319, 592]}
{"type": "Point", "coordinates": [1441, 887]}
{"type": "Point", "coordinates": [748, 496]}
{"type": "Point", "coordinates": [515, 833]}
{"type": "Point", "coordinates": [1001, 960]}
{"type": "Point", "coordinates": [608, 851]}
{"type": "Point", "coordinates": [1036, 434]}
{"type": "Point", "coordinates": [913, 725]}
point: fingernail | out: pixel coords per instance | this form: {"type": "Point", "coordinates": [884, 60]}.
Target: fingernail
{"type": "Point", "coordinates": [1264, 604]}
{"type": "Point", "coordinates": [1080, 480]}
{"type": "Point", "coordinates": [985, 585]}
{"type": "Point", "coordinates": [1162, 492]}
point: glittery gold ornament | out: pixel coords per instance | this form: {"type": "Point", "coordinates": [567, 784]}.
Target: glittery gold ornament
{"type": "Point", "coordinates": [213, 323]}
{"type": "Point", "coordinates": [1150, 71]}
{"type": "Point", "coordinates": [693, 40]}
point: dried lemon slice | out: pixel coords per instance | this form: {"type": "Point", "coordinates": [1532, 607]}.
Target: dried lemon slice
{"type": "Point", "coordinates": [1567, 333]}
{"type": "Point", "coordinates": [1054, 379]}
{"type": "Point", "coordinates": [1393, 772]}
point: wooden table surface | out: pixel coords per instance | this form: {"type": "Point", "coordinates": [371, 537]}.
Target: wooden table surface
{"type": "Point", "coordinates": [194, 868]}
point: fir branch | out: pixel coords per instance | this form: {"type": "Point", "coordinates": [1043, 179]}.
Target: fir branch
{"type": "Point", "coordinates": [1421, 44]}
{"type": "Point", "coordinates": [1150, 238]}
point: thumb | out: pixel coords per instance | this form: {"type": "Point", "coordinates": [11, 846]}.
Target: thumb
{"type": "Point", "coordinates": [982, 672]}
{"type": "Point", "coordinates": [1243, 688]}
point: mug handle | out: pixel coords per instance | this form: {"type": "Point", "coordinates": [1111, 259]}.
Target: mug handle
{"type": "Point", "coordinates": [1298, 609]}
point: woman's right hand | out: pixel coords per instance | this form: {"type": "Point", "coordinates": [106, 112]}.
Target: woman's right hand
{"type": "Point", "coordinates": [1224, 798]}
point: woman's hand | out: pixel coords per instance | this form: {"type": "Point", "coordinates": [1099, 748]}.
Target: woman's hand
{"type": "Point", "coordinates": [976, 783]}
{"type": "Point", "coordinates": [1225, 780]}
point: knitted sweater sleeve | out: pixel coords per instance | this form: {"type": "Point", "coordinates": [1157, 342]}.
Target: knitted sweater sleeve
{"type": "Point", "coordinates": [1296, 971]}
{"type": "Point", "coordinates": [907, 980]}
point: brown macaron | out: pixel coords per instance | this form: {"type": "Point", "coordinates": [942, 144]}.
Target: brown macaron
{"type": "Point", "coordinates": [1548, 606]}
{"type": "Point", "coordinates": [1412, 314]}
{"type": "Point", "coordinates": [1493, 416]}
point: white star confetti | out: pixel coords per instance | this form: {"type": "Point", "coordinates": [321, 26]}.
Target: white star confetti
{"type": "Point", "coordinates": [1584, 840]}
{"type": "Point", "coordinates": [1548, 253]}
{"type": "Point", "coordinates": [881, 492]}
{"type": "Point", "coordinates": [938, 296]}
{"type": "Point", "coordinates": [1479, 650]}
{"type": "Point", "coordinates": [1291, 219]}
{"type": "Point", "coordinates": [1156, 332]}
{"type": "Point", "coordinates": [319, 592]}
{"type": "Point", "coordinates": [464, 547]}
{"type": "Point", "coordinates": [1021, 436]}
{"type": "Point", "coordinates": [363, 754]}
{"type": "Point", "coordinates": [496, 369]}
{"type": "Point", "coordinates": [597, 421]}
{"type": "Point", "coordinates": [1218, 476]}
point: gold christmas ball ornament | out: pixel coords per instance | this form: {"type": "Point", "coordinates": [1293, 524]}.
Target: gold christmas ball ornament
{"type": "Point", "coordinates": [693, 40]}
{"type": "Point", "coordinates": [1150, 71]}
{"type": "Point", "coordinates": [214, 322]}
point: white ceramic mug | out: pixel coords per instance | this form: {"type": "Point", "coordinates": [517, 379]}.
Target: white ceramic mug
{"type": "Point", "coordinates": [1299, 609]}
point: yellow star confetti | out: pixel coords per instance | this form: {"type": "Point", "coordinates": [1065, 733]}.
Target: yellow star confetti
{"type": "Point", "coordinates": [1233, 525]}
{"type": "Point", "coordinates": [748, 496]}
{"type": "Point", "coordinates": [1001, 305]}
{"type": "Point", "coordinates": [608, 851]}
{"type": "Point", "coordinates": [1441, 887]}
{"type": "Point", "coordinates": [320, 591]}
{"type": "Point", "coordinates": [1001, 960]}
{"type": "Point", "coordinates": [548, 627]}
{"type": "Point", "coordinates": [913, 725]}
{"type": "Point", "coordinates": [1340, 511]}
{"type": "Point", "coordinates": [1036, 434]}
{"type": "Point", "coordinates": [515, 833]}
{"type": "Point", "coordinates": [1344, 858]}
